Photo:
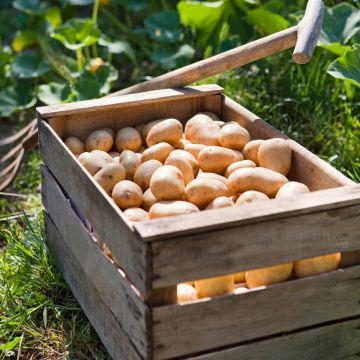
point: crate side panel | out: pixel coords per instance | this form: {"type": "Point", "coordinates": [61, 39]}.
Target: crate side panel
{"type": "Point", "coordinates": [232, 319]}
{"type": "Point", "coordinates": [115, 291]}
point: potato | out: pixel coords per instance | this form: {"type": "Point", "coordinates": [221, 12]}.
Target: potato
{"type": "Point", "coordinates": [234, 136]}
{"type": "Point", "coordinates": [136, 214]}
{"type": "Point", "coordinates": [144, 172]}
{"type": "Point", "coordinates": [240, 290]}
{"type": "Point", "coordinates": [130, 161]}
{"type": "Point", "coordinates": [171, 208]}
{"type": "Point", "coordinates": [220, 202]}
{"type": "Point", "coordinates": [316, 265]}
{"type": "Point", "coordinates": [238, 165]}
{"type": "Point", "coordinates": [259, 179]}
{"type": "Point", "coordinates": [140, 129]}
{"type": "Point", "coordinates": [114, 154]}
{"type": "Point", "coordinates": [126, 194]}
{"type": "Point", "coordinates": [215, 286]}
{"type": "Point", "coordinates": [216, 158]}
{"type": "Point", "coordinates": [159, 152]}
{"type": "Point", "coordinates": [110, 131]}
{"type": "Point", "coordinates": [100, 139]}
{"type": "Point", "coordinates": [167, 130]}
{"type": "Point", "coordinates": [268, 275]}
{"type": "Point", "coordinates": [186, 293]}
{"type": "Point", "coordinates": [186, 155]}
{"type": "Point", "coordinates": [95, 160]}
{"type": "Point", "coordinates": [201, 192]}
{"type": "Point", "coordinates": [183, 165]}
{"type": "Point", "coordinates": [275, 154]}
{"type": "Point", "coordinates": [292, 188]}
{"type": "Point", "coordinates": [109, 175]}
{"type": "Point", "coordinates": [148, 126]}
{"type": "Point", "coordinates": [251, 196]}
{"type": "Point", "coordinates": [220, 123]}
{"type": "Point", "coordinates": [75, 145]}
{"type": "Point", "coordinates": [209, 175]}
{"type": "Point", "coordinates": [250, 150]}
{"type": "Point", "coordinates": [181, 144]}
{"type": "Point", "coordinates": [239, 277]}
{"type": "Point", "coordinates": [167, 183]}
{"type": "Point", "coordinates": [148, 199]}
{"type": "Point", "coordinates": [194, 149]}
{"type": "Point", "coordinates": [201, 129]}
{"type": "Point", "coordinates": [128, 138]}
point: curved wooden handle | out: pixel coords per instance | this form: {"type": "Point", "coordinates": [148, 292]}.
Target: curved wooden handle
{"type": "Point", "coordinates": [308, 31]}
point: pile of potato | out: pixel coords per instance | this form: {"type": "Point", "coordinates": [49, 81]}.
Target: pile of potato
{"type": "Point", "coordinates": [161, 169]}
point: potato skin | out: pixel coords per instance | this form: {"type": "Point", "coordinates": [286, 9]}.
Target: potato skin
{"type": "Point", "coordinates": [201, 129]}
{"type": "Point", "coordinates": [171, 208]}
{"type": "Point", "coordinates": [144, 172]}
{"type": "Point", "coordinates": [148, 126]}
{"type": "Point", "coordinates": [215, 286]}
{"type": "Point", "coordinates": [128, 138]}
{"type": "Point", "coordinates": [167, 183]}
{"type": "Point", "coordinates": [126, 194]}
{"type": "Point", "coordinates": [251, 196]}
{"type": "Point", "coordinates": [220, 202]}
{"type": "Point", "coordinates": [201, 192]}
{"type": "Point", "coordinates": [187, 156]}
{"type": "Point", "coordinates": [158, 151]}
{"type": "Point", "coordinates": [275, 154]}
{"type": "Point", "coordinates": [259, 179]}
{"type": "Point", "coordinates": [167, 130]}
{"type": "Point", "coordinates": [130, 161]}
{"type": "Point", "coordinates": [181, 144]}
{"type": "Point", "coordinates": [268, 275]}
{"type": "Point", "coordinates": [136, 214]}
{"type": "Point", "coordinates": [75, 145]}
{"type": "Point", "coordinates": [185, 293]}
{"type": "Point", "coordinates": [194, 149]}
{"type": "Point", "coordinates": [148, 199]}
{"type": "Point", "coordinates": [216, 158]}
{"type": "Point", "coordinates": [100, 139]}
{"type": "Point", "coordinates": [209, 175]}
{"type": "Point", "coordinates": [234, 136]}
{"type": "Point", "coordinates": [239, 277]}
{"type": "Point", "coordinates": [250, 150]}
{"type": "Point", "coordinates": [109, 175]}
{"type": "Point", "coordinates": [238, 165]}
{"type": "Point", "coordinates": [95, 160]}
{"type": "Point", "coordinates": [292, 188]}
{"type": "Point", "coordinates": [183, 165]}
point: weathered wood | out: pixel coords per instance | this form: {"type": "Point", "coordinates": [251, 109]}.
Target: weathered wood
{"type": "Point", "coordinates": [335, 341]}
{"type": "Point", "coordinates": [115, 291]}
{"type": "Point", "coordinates": [116, 341]}
{"type": "Point", "coordinates": [105, 217]}
{"type": "Point", "coordinates": [202, 326]}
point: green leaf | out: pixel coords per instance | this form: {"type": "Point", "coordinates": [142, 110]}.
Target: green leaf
{"type": "Point", "coordinates": [80, 2]}
{"type": "Point", "coordinates": [31, 7]}
{"type": "Point", "coordinates": [29, 65]}
{"type": "Point", "coordinates": [10, 345]}
{"type": "Point", "coordinates": [266, 21]}
{"type": "Point", "coordinates": [341, 23]}
{"type": "Point", "coordinates": [53, 93]}
{"type": "Point", "coordinates": [77, 33]}
{"type": "Point", "coordinates": [164, 26]}
{"type": "Point", "coordinates": [53, 15]}
{"type": "Point", "coordinates": [16, 98]}
{"type": "Point", "coordinates": [24, 39]}
{"type": "Point", "coordinates": [169, 60]}
{"type": "Point", "coordinates": [347, 67]}
{"type": "Point", "coordinates": [133, 5]}
{"type": "Point", "coordinates": [119, 47]}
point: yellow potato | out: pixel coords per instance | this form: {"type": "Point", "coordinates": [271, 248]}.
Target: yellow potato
{"type": "Point", "coordinates": [128, 138]}
{"type": "Point", "coordinates": [100, 139]}
{"type": "Point", "coordinates": [238, 165]}
{"type": "Point", "coordinates": [126, 194]}
{"type": "Point", "coordinates": [194, 149]}
{"type": "Point", "coordinates": [109, 175]}
{"type": "Point", "coordinates": [216, 158]}
{"type": "Point", "coordinates": [181, 144]}
{"type": "Point", "coordinates": [259, 179]}
{"type": "Point", "coordinates": [275, 154]}
{"type": "Point", "coordinates": [251, 196]}
{"type": "Point", "coordinates": [136, 214]}
{"type": "Point", "coordinates": [201, 129]}
{"type": "Point", "coordinates": [292, 188]}
{"type": "Point", "coordinates": [186, 293]}
{"type": "Point", "coordinates": [171, 208]}
{"type": "Point", "coordinates": [167, 130]}
{"type": "Point", "coordinates": [95, 160]}
{"type": "Point", "coordinates": [316, 265]}
{"type": "Point", "coordinates": [158, 151]}
{"type": "Point", "coordinates": [130, 161]}
{"type": "Point", "coordinates": [215, 286]}
{"type": "Point", "coordinates": [183, 165]}
{"type": "Point", "coordinates": [147, 127]}
{"type": "Point", "coordinates": [220, 202]}
{"type": "Point", "coordinates": [110, 131]}
{"type": "Point", "coordinates": [167, 183]}
{"type": "Point", "coordinates": [234, 136]}
{"type": "Point", "coordinates": [148, 199]}
{"type": "Point", "coordinates": [201, 192]}
{"type": "Point", "coordinates": [144, 172]}
{"type": "Point", "coordinates": [209, 175]}
{"type": "Point", "coordinates": [186, 155]}
{"type": "Point", "coordinates": [239, 277]}
{"type": "Point", "coordinates": [250, 150]}
{"type": "Point", "coordinates": [269, 275]}
{"type": "Point", "coordinates": [140, 129]}
{"type": "Point", "coordinates": [75, 145]}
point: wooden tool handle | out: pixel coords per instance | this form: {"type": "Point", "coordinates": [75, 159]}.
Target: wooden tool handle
{"type": "Point", "coordinates": [308, 31]}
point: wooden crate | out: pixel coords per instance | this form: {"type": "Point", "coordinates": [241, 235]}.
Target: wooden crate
{"type": "Point", "coordinates": [313, 318]}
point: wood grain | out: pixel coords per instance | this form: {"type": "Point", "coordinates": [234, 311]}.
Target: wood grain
{"type": "Point", "coordinates": [191, 328]}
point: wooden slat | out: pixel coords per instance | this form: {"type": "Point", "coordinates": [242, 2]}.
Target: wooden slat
{"type": "Point", "coordinates": [330, 342]}
{"type": "Point", "coordinates": [115, 291]}
{"type": "Point", "coordinates": [92, 201]}
{"type": "Point", "coordinates": [186, 329]}
{"type": "Point", "coordinates": [116, 341]}
{"type": "Point", "coordinates": [119, 102]}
